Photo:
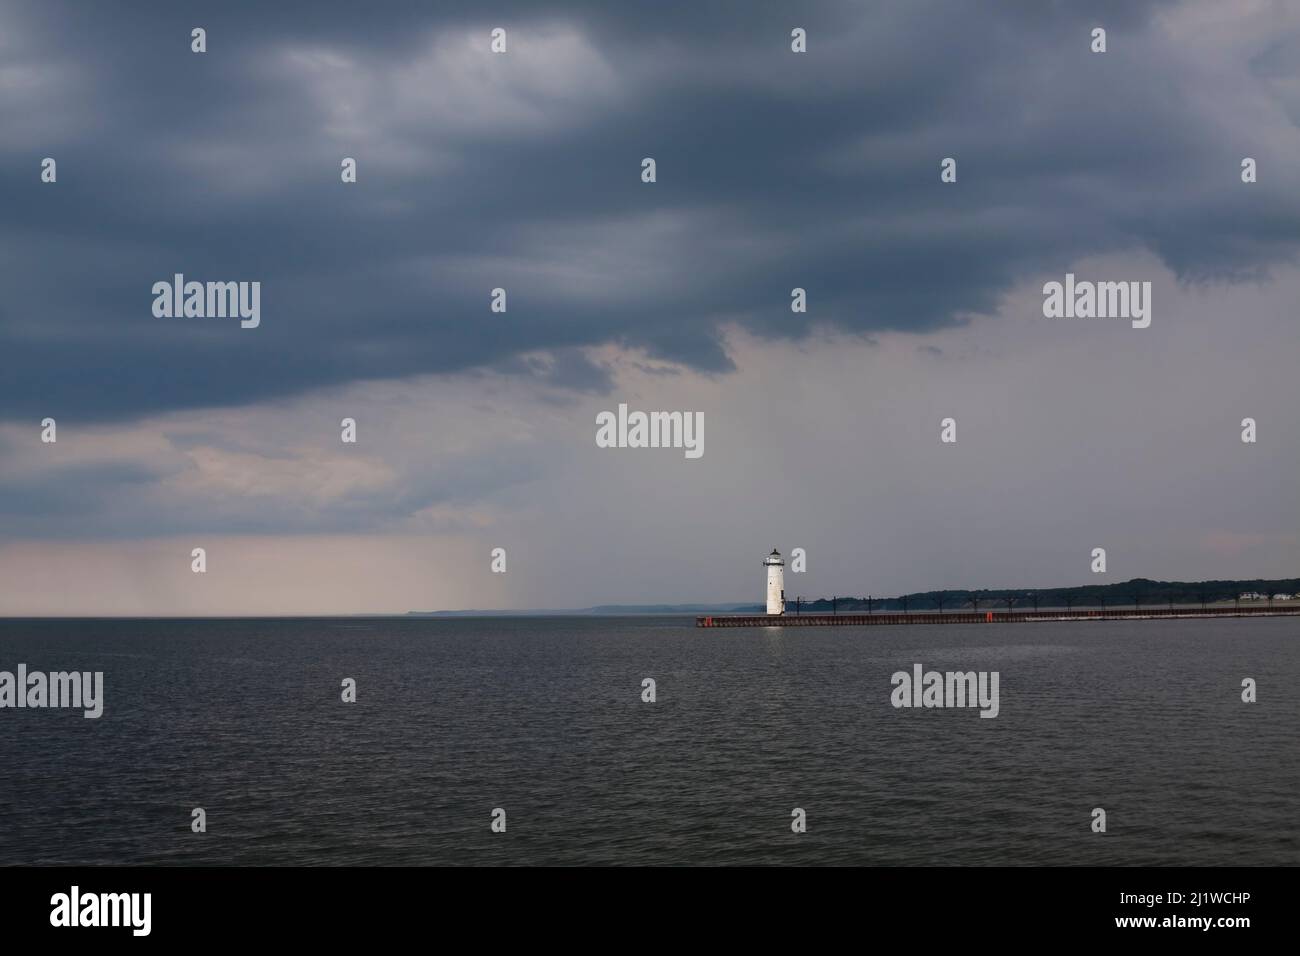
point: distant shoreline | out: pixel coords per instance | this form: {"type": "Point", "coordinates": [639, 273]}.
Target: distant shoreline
{"type": "Point", "coordinates": [1139, 593]}
{"type": "Point", "coordinates": [1136, 594]}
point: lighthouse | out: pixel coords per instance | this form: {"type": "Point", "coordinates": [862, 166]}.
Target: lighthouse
{"type": "Point", "coordinates": [775, 582]}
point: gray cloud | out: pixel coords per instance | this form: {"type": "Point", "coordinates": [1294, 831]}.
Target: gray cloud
{"type": "Point", "coordinates": [522, 171]}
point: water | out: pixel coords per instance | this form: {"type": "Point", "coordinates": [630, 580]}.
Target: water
{"type": "Point", "coordinates": [544, 718]}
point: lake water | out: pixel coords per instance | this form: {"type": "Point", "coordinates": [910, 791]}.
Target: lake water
{"type": "Point", "coordinates": [543, 717]}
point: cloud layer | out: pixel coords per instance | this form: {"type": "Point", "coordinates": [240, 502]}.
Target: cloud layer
{"type": "Point", "coordinates": [522, 171]}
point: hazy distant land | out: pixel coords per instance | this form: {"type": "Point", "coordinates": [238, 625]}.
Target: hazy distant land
{"type": "Point", "coordinates": [1142, 592]}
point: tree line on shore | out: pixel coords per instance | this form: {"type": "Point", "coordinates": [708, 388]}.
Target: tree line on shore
{"type": "Point", "coordinates": [1139, 592]}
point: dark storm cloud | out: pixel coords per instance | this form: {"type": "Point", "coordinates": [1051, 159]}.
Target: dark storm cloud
{"type": "Point", "coordinates": [775, 171]}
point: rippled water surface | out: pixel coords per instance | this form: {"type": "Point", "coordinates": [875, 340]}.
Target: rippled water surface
{"type": "Point", "coordinates": [544, 718]}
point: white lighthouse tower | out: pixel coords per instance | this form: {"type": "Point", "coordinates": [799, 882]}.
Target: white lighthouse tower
{"type": "Point", "coordinates": [775, 582]}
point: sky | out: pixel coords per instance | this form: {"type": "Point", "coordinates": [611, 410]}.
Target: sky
{"type": "Point", "coordinates": [522, 170]}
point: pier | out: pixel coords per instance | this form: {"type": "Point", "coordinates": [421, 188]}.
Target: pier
{"type": "Point", "coordinates": [986, 617]}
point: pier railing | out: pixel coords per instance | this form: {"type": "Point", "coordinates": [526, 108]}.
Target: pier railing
{"type": "Point", "coordinates": [985, 617]}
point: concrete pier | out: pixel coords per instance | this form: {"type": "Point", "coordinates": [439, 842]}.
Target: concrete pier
{"type": "Point", "coordinates": [987, 617]}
